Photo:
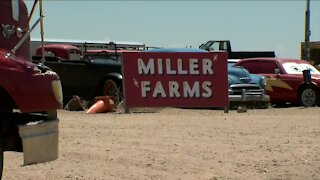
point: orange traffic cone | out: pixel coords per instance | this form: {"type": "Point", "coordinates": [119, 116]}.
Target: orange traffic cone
{"type": "Point", "coordinates": [105, 98]}
{"type": "Point", "coordinates": [101, 106]}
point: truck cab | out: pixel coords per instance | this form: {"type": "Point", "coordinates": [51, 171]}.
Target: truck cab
{"type": "Point", "coordinates": [225, 45]}
{"type": "Point", "coordinates": [60, 51]}
{"type": "Point", "coordinates": [217, 45]}
{"type": "Point", "coordinates": [30, 94]}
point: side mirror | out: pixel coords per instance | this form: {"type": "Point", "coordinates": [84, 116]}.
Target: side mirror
{"type": "Point", "coordinates": [277, 71]}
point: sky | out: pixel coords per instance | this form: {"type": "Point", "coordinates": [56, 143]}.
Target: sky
{"type": "Point", "coordinates": [251, 25]}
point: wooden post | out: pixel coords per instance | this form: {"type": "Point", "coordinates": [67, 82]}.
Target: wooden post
{"type": "Point", "coordinates": [307, 32]}
{"type": "Point", "coordinates": [42, 32]}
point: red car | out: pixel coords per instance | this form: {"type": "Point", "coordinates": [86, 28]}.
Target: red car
{"type": "Point", "coordinates": [285, 80]}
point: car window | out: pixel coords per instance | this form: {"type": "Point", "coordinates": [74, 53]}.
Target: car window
{"type": "Point", "coordinates": [312, 69]}
{"type": "Point", "coordinates": [295, 68]}
{"type": "Point", "coordinates": [251, 66]}
{"type": "Point", "coordinates": [260, 66]}
{"type": "Point", "coordinates": [75, 55]}
{"type": "Point", "coordinates": [268, 67]}
{"type": "Point", "coordinates": [230, 64]}
{"type": "Point", "coordinates": [49, 53]}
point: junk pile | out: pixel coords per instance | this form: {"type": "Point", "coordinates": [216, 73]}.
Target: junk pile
{"type": "Point", "coordinates": [74, 104]}
{"type": "Point", "coordinates": [101, 104]}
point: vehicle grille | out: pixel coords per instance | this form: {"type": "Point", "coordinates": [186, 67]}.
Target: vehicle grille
{"type": "Point", "coordinates": [250, 89]}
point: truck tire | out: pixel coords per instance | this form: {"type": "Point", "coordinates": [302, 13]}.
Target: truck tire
{"type": "Point", "coordinates": [110, 88]}
{"type": "Point", "coordinates": [1, 156]}
{"type": "Point", "coordinates": [5, 108]}
{"type": "Point", "coordinates": [1, 142]}
{"type": "Point", "coordinates": [308, 96]}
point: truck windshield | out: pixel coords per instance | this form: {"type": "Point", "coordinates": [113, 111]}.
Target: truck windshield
{"type": "Point", "coordinates": [215, 46]}
{"type": "Point", "coordinates": [295, 68]}
{"type": "Point", "coordinates": [206, 45]}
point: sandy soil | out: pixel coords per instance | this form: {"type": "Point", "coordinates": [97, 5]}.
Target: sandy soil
{"type": "Point", "coordinates": [275, 143]}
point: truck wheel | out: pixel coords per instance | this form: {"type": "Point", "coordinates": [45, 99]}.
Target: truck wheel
{"type": "Point", "coordinates": [5, 108]}
{"type": "Point", "coordinates": [308, 97]}
{"type": "Point", "coordinates": [1, 156]}
{"type": "Point", "coordinates": [110, 88]}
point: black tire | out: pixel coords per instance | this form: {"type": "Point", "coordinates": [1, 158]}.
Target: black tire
{"type": "Point", "coordinates": [308, 96]}
{"type": "Point", "coordinates": [110, 88]}
{"type": "Point", "coordinates": [1, 156]}
{"type": "Point", "coordinates": [5, 108]}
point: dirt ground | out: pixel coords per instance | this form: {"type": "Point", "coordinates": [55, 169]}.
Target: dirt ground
{"type": "Point", "coordinates": [172, 143]}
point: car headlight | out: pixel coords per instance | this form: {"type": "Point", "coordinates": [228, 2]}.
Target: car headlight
{"type": "Point", "coordinates": [57, 90]}
{"type": "Point", "coordinates": [263, 82]}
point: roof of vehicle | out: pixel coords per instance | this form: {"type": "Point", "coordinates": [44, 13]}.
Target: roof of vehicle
{"type": "Point", "coordinates": [176, 50]}
{"type": "Point", "coordinates": [233, 60]}
{"type": "Point", "coordinates": [109, 51]}
{"type": "Point", "coordinates": [281, 60]}
{"type": "Point", "coordinates": [87, 41]}
{"type": "Point", "coordinates": [60, 46]}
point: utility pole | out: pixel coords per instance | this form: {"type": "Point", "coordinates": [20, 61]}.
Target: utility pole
{"type": "Point", "coordinates": [42, 33]}
{"type": "Point", "coordinates": [307, 32]}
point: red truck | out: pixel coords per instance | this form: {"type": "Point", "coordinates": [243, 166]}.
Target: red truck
{"type": "Point", "coordinates": [29, 94]}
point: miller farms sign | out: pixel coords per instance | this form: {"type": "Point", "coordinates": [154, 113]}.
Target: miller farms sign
{"type": "Point", "coordinates": [175, 79]}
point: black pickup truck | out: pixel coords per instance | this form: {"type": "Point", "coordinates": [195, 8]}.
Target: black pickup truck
{"type": "Point", "coordinates": [225, 45]}
{"type": "Point", "coordinates": [86, 76]}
